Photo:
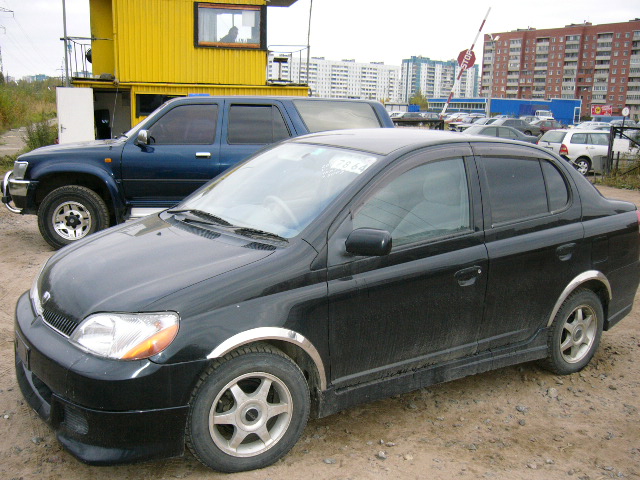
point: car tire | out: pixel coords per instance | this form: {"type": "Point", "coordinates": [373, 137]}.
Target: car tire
{"type": "Point", "coordinates": [247, 410]}
{"type": "Point", "coordinates": [528, 132]}
{"type": "Point", "coordinates": [70, 213]}
{"type": "Point", "coordinates": [583, 165]}
{"type": "Point", "coordinates": [575, 333]}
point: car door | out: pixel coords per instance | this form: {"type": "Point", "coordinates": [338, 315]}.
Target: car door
{"type": "Point", "coordinates": [504, 132]}
{"type": "Point", "coordinates": [598, 144]}
{"type": "Point", "coordinates": [182, 155]}
{"type": "Point", "coordinates": [534, 240]}
{"type": "Point", "coordinates": [422, 303]}
{"type": "Point", "coordinates": [250, 125]}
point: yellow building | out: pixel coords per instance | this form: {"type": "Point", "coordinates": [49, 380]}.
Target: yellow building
{"type": "Point", "coordinates": [144, 52]}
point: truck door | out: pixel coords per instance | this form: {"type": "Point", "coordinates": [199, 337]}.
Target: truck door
{"type": "Point", "coordinates": [182, 154]}
{"type": "Point", "coordinates": [248, 126]}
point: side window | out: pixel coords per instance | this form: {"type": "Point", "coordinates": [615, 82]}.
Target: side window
{"type": "Point", "coordinates": [186, 125]}
{"type": "Point", "coordinates": [256, 125]}
{"type": "Point", "coordinates": [598, 139]}
{"type": "Point", "coordinates": [428, 201]}
{"type": "Point", "coordinates": [491, 131]}
{"type": "Point", "coordinates": [516, 188]}
{"type": "Point", "coordinates": [556, 187]}
{"type": "Point", "coordinates": [506, 133]}
{"type": "Point", "coordinates": [579, 138]}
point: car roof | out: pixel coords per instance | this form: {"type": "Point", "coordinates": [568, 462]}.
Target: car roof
{"type": "Point", "coordinates": [576, 130]}
{"type": "Point", "coordinates": [384, 141]}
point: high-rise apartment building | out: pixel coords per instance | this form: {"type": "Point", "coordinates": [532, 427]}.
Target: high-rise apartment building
{"type": "Point", "coordinates": [435, 78]}
{"type": "Point", "coordinates": [340, 78]}
{"type": "Point", "coordinates": [598, 64]}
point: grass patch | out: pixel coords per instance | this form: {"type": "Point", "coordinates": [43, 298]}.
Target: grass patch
{"type": "Point", "coordinates": [627, 178]}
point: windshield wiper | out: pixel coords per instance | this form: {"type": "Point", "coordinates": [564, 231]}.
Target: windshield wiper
{"type": "Point", "coordinates": [204, 217]}
{"type": "Point", "coordinates": [256, 233]}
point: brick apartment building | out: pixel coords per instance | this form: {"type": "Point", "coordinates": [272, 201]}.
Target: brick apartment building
{"type": "Point", "coordinates": [598, 64]}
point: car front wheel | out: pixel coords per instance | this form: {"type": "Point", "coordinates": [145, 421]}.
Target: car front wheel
{"type": "Point", "coordinates": [583, 165]}
{"type": "Point", "coordinates": [71, 213]}
{"type": "Point", "coordinates": [248, 410]}
{"type": "Point", "coordinates": [575, 333]}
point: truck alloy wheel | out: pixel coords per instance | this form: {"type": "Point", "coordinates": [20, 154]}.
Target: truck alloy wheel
{"type": "Point", "coordinates": [70, 213]}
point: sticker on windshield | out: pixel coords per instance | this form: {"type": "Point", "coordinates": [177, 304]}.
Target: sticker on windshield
{"type": "Point", "coordinates": [351, 163]}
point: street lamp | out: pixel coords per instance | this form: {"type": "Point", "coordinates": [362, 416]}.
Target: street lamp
{"type": "Point", "coordinates": [493, 66]}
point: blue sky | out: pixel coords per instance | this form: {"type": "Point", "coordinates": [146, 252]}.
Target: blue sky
{"type": "Point", "coordinates": [364, 30]}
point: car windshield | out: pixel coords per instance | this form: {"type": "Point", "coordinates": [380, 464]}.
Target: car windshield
{"type": "Point", "coordinates": [281, 190]}
{"type": "Point", "coordinates": [485, 121]}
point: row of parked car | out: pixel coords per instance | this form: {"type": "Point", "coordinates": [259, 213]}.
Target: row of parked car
{"type": "Point", "coordinates": [586, 145]}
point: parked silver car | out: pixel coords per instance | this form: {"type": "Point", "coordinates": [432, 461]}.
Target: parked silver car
{"type": "Point", "coordinates": [586, 149]}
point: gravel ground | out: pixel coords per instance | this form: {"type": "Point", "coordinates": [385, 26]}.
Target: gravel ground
{"type": "Point", "coordinates": [515, 423]}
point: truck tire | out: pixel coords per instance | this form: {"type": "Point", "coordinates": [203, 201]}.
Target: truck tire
{"type": "Point", "coordinates": [70, 213]}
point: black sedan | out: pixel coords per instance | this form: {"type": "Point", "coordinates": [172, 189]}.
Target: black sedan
{"type": "Point", "coordinates": [328, 270]}
{"type": "Point", "coordinates": [500, 132]}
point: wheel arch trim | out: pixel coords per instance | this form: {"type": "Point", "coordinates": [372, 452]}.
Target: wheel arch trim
{"type": "Point", "coordinates": [273, 333]}
{"type": "Point", "coordinates": [101, 175]}
{"type": "Point", "coordinates": [576, 283]}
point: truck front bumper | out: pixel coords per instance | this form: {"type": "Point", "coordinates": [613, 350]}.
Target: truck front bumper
{"type": "Point", "coordinates": [15, 193]}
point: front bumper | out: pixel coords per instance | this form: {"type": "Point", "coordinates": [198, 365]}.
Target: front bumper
{"type": "Point", "coordinates": [15, 192]}
{"type": "Point", "coordinates": [102, 411]}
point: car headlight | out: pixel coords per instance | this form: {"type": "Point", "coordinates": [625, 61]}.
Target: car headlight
{"type": "Point", "coordinates": [126, 336]}
{"type": "Point", "coordinates": [19, 169]}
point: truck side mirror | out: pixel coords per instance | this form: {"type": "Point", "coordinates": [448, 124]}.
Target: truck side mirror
{"type": "Point", "coordinates": [143, 137]}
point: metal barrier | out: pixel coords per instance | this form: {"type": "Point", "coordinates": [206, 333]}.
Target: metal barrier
{"type": "Point", "coordinates": [629, 133]}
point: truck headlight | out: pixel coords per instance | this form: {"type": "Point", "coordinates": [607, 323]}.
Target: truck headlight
{"type": "Point", "coordinates": [126, 336]}
{"type": "Point", "coordinates": [19, 169]}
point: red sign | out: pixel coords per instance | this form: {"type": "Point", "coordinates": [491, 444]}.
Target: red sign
{"type": "Point", "coordinates": [466, 59]}
{"type": "Point", "coordinates": [601, 110]}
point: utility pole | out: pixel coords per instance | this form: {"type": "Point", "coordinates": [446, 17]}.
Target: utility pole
{"type": "Point", "coordinates": [3, 10]}
{"type": "Point", "coordinates": [309, 39]}
{"type": "Point", "coordinates": [66, 43]}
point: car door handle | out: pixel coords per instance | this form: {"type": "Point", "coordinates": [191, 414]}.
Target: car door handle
{"type": "Point", "coordinates": [203, 154]}
{"type": "Point", "coordinates": [565, 252]}
{"type": "Point", "coordinates": [468, 276]}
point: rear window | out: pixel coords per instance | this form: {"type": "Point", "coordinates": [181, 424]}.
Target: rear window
{"type": "Point", "coordinates": [553, 137]}
{"type": "Point", "coordinates": [336, 115]}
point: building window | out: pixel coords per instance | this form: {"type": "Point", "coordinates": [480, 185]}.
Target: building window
{"type": "Point", "coordinates": [229, 26]}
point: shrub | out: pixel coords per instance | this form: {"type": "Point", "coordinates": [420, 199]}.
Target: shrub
{"type": "Point", "coordinates": [40, 134]}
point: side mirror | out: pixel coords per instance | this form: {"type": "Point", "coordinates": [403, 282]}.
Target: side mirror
{"type": "Point", "coordinates": [369, 242]}
{"type": "Point", "coordinates": [143, 137]}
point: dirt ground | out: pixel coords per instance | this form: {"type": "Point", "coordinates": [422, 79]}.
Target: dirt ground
{"type": "Point", "coordinates": [515, 423]}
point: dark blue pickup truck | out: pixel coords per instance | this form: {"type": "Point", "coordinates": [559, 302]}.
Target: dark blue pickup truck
{"type": "Point", "coordinates": [77, 189]}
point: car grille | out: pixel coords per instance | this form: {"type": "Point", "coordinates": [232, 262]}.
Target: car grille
{"type": "Point", "coordinates": [59, 322]}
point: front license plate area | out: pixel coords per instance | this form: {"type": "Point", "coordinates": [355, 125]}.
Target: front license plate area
{"type": "Point", "coordinates": [23, 352]}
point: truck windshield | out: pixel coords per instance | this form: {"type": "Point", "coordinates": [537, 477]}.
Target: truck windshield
{"type": "Point", "coordinates": [282, 190]}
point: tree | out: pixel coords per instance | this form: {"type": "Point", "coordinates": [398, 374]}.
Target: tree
{"type": "Point", "coordinates": [419, 99]}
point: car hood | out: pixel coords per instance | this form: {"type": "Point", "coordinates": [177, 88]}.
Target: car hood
{"type": "Point", "coordinates": [126, 268]}
{"type": "Point", "coordinates": [67, 147]}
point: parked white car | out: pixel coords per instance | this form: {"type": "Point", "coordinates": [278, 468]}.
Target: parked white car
{"type": "Point", "coordinates": [586, 149]}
